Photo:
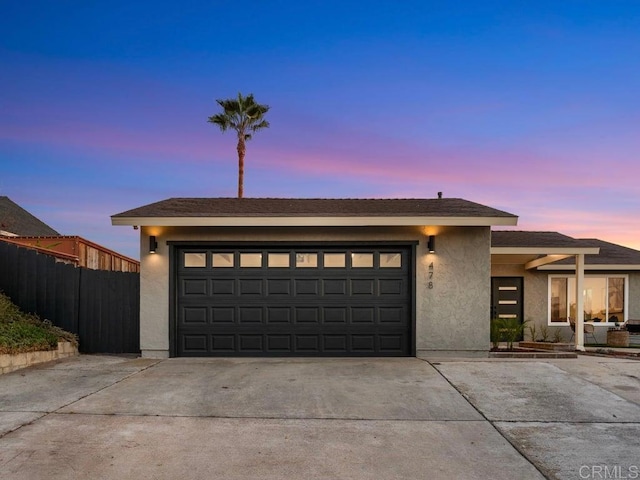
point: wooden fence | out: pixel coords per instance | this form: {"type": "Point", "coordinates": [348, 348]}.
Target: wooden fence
{"type": "Point", "coordinates": [101, 307]}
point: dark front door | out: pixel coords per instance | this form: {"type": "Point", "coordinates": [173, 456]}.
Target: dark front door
{"type": "Point", "coordinates": [507, 298]}
{"type": "Point", "coordinates": [287, 301]}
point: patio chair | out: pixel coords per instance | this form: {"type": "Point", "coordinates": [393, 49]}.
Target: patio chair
{"type": "Point", "coordinates": [587, 328]}
{"type": "Point", "coordinates": [572, 324]}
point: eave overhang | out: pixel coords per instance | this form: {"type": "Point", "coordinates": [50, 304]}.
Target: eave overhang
{"type": "Point", "coordinates": [601, 267]}
{"type": "Point", "coordinates": [288, 221]}
{"type": "Point", "coordinates": [538, 257]}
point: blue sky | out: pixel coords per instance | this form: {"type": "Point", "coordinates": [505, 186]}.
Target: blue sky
{"type": "Point", "coordinates": [531, 107]}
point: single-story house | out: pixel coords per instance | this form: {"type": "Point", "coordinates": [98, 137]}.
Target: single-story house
{"type": "Point", "coordinates": [336, 277]}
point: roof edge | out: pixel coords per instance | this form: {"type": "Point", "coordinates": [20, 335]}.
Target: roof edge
{"type": "Point", "coordinates": [328, 221]}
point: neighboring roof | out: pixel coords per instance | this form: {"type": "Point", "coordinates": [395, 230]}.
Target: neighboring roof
{"type": "Point", "coordinates": [523, 239]}
{"type": "Point", "coordinates": [611, 257]}
{"type": "Point", "coordinates": [17, 221]}
{"type": "Point", "coordinates": [535, 249]}
{"type": "Point", "coordinates": [313, 212]}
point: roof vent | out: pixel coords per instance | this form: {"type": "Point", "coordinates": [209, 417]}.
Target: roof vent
{"type": "Point", "coordinates": [439, 194]}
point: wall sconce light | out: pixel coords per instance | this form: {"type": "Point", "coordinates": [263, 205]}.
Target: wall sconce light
{"type": "Point", "coordinates": [153, 244]}
{"type": "Point", "coordinates": [431, 244]}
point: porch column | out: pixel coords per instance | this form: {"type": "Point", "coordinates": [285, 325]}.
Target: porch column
{"type": "Point", "coordinates": [579, 336]}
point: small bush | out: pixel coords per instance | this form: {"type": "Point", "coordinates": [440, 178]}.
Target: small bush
{"type": "Point", "coordinates": [506, 330]}
{"type": "Point", "coordinates": [22, 332]}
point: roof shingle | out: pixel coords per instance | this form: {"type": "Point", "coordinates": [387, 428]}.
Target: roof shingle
{"type": "Point", "coordinates": [313, 207]}
{"type": "Point", "coordinates": [16, 220]}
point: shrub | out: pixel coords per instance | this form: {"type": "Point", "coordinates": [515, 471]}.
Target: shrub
{"type": "Point", "coordinates": [506, 330]}
{"type": "Point", "coordinates": [23, 332]}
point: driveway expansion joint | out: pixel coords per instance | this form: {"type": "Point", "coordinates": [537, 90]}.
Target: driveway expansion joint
{"type": "Point", "coordinates": [524, 454]}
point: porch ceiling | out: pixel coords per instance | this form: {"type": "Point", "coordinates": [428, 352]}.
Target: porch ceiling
{"type": "Point", "coordinates": [533, 257]}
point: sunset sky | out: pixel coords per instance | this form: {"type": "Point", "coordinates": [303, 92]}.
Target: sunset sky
{"type": "Point", "coordinates": [532, 107]}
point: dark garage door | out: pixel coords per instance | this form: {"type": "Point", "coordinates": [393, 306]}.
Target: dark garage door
{"type": "Point", "coordinates": [293, 302]}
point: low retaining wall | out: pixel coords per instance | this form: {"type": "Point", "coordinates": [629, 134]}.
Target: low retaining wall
{"type": "Point", "coordinates": [555, 347]}
{"type": "Point", "coordinates": [11, 362]}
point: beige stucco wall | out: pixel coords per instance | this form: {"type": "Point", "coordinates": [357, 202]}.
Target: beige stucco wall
{"type": "Point", "coordinates": [450, 316]}
{"type": "Point", "coordinates": [453, 315]}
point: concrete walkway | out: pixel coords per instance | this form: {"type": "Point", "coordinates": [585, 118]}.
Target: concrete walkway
{"type": "Point", "coordinates": [108, 417]}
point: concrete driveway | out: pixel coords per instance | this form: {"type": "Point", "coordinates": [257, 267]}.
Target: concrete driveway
{"type": "Point", "coordinates": [111, 417]}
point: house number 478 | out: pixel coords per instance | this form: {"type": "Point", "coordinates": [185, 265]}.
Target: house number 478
{"type": "Point", "coordinates": [430, 284]}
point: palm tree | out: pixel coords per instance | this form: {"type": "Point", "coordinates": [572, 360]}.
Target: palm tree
{"type": "Point", "coordinates": [245, 116]}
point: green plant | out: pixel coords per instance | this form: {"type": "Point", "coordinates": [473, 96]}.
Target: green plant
{"type": "Point", "coordinates": [23, 332]}
{"type": "Point", "coordinates": [557, 336]}
{"type": "Point", "coordinates": [507, 330]}
{"type": "Point", "coordinates": [245, 116]}
{"type": "Point", "coordinates": [544, 333]}
{"type": "Point", "coordinates": [533, 333]}
{"type": "Point", "coordinates": [513, 331]}
{"type": "Point", "coordinates": [496, 332]}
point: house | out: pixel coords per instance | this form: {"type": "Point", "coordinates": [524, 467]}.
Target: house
{"type": "Point", "coordinates": [533, 277]}
{"type": "Point", "coordinates": [313, 277]}
{"type": "Point", "coordinates": [360, 277]}
{"type": "Point", "coordinates": [19, 227]}
{"type": "Point", "coordinates": [16, 221]}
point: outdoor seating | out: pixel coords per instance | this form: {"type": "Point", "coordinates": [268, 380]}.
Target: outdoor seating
{"type": "Point", "coordinates": [587, 328]}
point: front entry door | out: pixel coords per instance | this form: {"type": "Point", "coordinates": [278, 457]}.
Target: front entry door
{"type": "Point", "coordinates": [507, 298]}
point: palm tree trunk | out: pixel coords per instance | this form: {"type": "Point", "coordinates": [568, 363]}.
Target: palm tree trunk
{"type": "Point", "coordinates": [241, 151]}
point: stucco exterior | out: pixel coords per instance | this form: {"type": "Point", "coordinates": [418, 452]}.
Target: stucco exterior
{"type": "Point", "coordinates": [450, 316]}
{"type": "Point", "coordinates": [453, 315]}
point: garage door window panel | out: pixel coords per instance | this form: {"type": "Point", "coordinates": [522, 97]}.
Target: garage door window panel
{"type": "Point", "coordinates": [306, 260]}
{"type": "Point", "coordinates": [335, 260]}
{"type": "Point", "coordinates": [362, 260]}
{"type": "Point", "coordinates": [195, 260]}
{"type": "Point", "coordinates": [250, 260]}
{"type": "Point", "coordinates": [222, 260]}
{"type": "Point", "coordinates": [278, 260]}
